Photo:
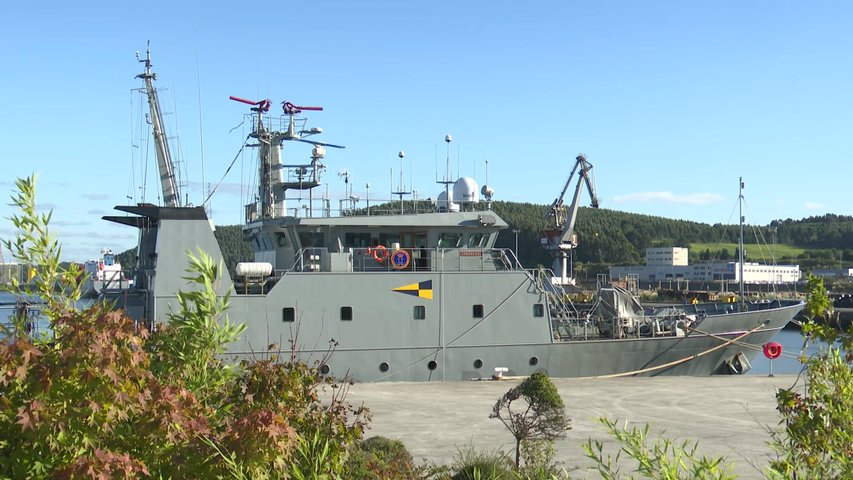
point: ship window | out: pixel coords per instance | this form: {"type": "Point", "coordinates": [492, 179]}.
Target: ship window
{"type": "Point", "coordinates": [476, 240]}
{"type": "Point", "coordinates": [449, 240]}
{"type": "Point", "coordinates": [478, 363]}
{"type": "Point", "coordinates": [383, 367]}
{"type": "Point", "coordinates": [281, 239]}
{"type": "Point", "coordinates": [388, 239]}
{"type": "Point", "coordinates": [357, 240]}
{"type": "Point", "coordinates": [478, 311]}
{"type": "Point", "coordinates": [324, 369]}
{"type": "Point", "coordinates": [311, 239]}
{"type": "Point", "coordinates": [432, 365]}
{"type": "Point", "coordinates": [538, 310]}
{"type": "Point", "coordinates": [346, 313]}
{"type": "Point", "coordinates": [419, 312]}
{"type": "Point", "coordinates": [288, 314]}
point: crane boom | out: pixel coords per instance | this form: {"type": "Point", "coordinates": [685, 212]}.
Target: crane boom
{"type": "Point", "coordinates": [560, 221]}
{"type": "Point", "coordinates": [168, 183]}
{"type": "Point", "coordinates": [585, 178]}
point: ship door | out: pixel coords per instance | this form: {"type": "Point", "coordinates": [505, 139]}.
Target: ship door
{"type": "Point", "coordinates": [416, 243]}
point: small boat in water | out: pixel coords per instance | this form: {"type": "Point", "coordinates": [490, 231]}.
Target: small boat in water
{"type": "Point", "coordinates": [104, 273]}
{"type": "Point", "coordinates": [416, 292]}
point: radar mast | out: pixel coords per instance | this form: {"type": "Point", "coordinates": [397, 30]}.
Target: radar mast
{"type": "Point", "coordinates": [171, 194]}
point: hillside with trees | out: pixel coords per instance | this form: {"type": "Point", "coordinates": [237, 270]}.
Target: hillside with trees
{"type": "Point", "coordinates": [610, 237]}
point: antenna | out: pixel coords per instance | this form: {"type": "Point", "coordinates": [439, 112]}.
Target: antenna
{"type": "Point", "coordinates": [448, 174]}
{"type": "Point", "coordinates": [401, 189]}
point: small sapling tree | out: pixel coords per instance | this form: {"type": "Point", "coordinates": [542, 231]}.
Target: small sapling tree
{"type": "Point", "coordinates": [532, 411]}
{"type": "Point", "coordinates": [816, 440]}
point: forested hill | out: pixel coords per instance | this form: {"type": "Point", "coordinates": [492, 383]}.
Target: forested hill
{"type": "Point", "coordinates": [610, 237]}
{"type": "Point", "coordinates": [619, 238]}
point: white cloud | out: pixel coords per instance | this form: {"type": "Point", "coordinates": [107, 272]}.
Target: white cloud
{"type": "Point", "coordinates": [669, 197]}
{"type": "Point", "coordinates": [813, 206]}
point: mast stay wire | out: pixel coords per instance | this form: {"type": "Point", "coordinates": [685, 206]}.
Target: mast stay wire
{"type": "Point", "coordinates": [212, 191]}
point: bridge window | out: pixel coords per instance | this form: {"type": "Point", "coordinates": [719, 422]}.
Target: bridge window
{"type": "Point", "coordinates": [538, 310]}
{"type": "Point", "coordinates": [357, 240]}
{"type": "Point", "coordinates": [346, 313]}
{"type": "Point", "coordinates": [449, 240]}
{"type": "Point", "coordinates": [420, 312]}
{"type": "Point", "coordinates": [478, 311]}
{"type": "Point", "coordinates": [477, 240]}
{"type": "Point", "coordinates": [288, 314]}
{"type": "Point", "coordinates": [281, 239]}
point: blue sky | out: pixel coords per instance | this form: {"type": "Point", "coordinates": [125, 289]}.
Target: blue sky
{"type": "Point", "coordinates": [671, 101]}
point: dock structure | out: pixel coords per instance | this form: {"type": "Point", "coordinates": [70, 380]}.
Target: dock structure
{"type": "Point", "coordinates": [728, 416]}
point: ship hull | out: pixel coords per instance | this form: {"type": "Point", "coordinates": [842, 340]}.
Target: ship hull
{"type": "Point", "coordinates": [459, 320]}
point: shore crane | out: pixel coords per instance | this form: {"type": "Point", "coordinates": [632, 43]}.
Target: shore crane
{"type": "Point", "coordinates": [559, 233]}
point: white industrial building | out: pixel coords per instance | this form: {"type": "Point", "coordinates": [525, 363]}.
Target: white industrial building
{"type": "Point", "coordinates": [671, 264]}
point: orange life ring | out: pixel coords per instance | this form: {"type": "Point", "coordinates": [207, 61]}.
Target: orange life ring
{"type": "Point", "coordinates": [379, 252]}
{"type": "Point", "coordinates": [772, 350]}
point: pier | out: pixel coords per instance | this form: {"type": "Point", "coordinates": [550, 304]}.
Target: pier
{"type": "Point", "coordinates": [728, 416]}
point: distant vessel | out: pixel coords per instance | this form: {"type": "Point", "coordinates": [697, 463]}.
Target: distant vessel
{"type": "Point", "coordinates": [104, 273]}
{"type": "Point", "coordinates": [418, 291]}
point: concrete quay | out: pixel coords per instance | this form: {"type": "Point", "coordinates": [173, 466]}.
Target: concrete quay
{"type": "Point", "coordinates": [728, 415]}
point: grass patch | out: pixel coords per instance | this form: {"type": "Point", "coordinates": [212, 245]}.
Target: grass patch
{"type": "Point", "coordinates": [753, 251]}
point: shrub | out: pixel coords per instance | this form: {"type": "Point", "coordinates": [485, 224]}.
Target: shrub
{"type": "Point", "coordinates": [532, 411]}
{"type": "Point", "coordinates": [380, 458]}
{"type": "Point", "coordinates": [664, 459]}
{"type": "Point", "coordinates": [103, 399]}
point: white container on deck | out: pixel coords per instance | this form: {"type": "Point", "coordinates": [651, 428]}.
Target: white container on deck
{"type": "Point", "coordinates": [254, 269]}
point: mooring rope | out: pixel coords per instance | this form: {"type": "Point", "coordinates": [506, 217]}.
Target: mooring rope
{"type": "Point", "coordinates": [685, 359]}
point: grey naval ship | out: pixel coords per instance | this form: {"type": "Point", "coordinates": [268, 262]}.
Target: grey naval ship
{"type": "Point", "coordinates": [416, 294]}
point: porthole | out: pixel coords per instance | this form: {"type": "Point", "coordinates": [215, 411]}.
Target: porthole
{"type": "Point", "coordinates": [534, 361]}
{"type": "Point", "coordinates": [324, 369]}
{"type": "Point", "coordinates": [432, 365]}
{"type": "Point", "coordinates": [383, 367]}
{"type": "Point", "coordinates": [478, 363]}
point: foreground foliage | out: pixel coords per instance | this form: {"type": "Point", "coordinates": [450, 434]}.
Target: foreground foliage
{"type": "Point", "coordinates": [103, 398]}
{"type": "Point", "coordinates": [663, 459]}
{"type": "Point", "coordinates": [816, 440]}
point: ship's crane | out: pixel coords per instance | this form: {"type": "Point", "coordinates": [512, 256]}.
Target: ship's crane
{"type": "Point", "coordinates": [559, 233]}
{"type": "Point", "coordinates": [272, 187]}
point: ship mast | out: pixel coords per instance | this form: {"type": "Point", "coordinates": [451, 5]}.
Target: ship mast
{"type": "Point", "coordinates": [272, 183]}
{"type": "Point", "coordinates": [171, 194]}
{"type": "Point", "coordinates": [740, 242]}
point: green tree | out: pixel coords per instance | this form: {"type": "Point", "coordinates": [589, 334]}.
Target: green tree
{"type": "Point", "coordinates": [816, 439]}
{"type": "Point", "coordinates": [818, 304]}
{"type": "Point", "coordinates": [532, 411]}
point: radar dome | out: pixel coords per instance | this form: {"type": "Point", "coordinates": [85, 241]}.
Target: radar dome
{"type": "Point", "coordinates": [443, 205]}
{"type": "Point", "coordinates": [465, 190]}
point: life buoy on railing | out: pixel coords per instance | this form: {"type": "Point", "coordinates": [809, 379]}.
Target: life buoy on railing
{"type": "Point", "coordinates": [772, 350]}
{"type": "Point", "coordinates": [379, 252]}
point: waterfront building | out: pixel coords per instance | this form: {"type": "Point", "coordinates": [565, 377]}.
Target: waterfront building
{"type": "Point", "coordinates": [671, 264]}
